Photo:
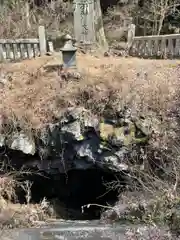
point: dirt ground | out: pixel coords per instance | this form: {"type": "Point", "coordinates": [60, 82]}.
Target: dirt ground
{"type": "Point", "coordinates": [33, 95]}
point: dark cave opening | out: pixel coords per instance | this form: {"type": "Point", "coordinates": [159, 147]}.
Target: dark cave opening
{"type": "Point", "coordinates": [73, 190]}
{"type": "Point", "coordinates": [68, 191]}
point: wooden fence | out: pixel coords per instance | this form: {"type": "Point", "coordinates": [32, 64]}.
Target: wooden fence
{"type": "Point", "coordinates": [18, 49]}
{"type": "Point", "coordinates": [160, 46]}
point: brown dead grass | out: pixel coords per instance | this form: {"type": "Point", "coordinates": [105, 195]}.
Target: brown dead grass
{"type": "Point", "coordinates": [7, 188]}
{"type": "Point", "coordinates": [15, 215]}
{"type": "Point", "coordinates": [34, 96]}
{"type": "Point", "coordinates": [21, 215]}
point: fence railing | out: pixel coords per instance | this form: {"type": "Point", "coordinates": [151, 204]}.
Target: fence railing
{"type": "Point", "coordinates": [159, 46]}
{"type": "Point", "coordinates": [156, 46]}
{"type": "Point", "coordinates": [17, 49]}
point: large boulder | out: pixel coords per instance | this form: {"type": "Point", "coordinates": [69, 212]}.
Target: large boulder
{"type": "Point", "coordinates": [82, 140]}
{"type": "Point", "coordinates": [78, 139]}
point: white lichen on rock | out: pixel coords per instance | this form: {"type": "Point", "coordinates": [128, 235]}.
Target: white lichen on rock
{"type": "Point", "coordinates": [22, 142]}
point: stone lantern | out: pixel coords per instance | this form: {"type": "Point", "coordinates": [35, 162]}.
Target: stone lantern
{"type": "Point", "coordinates": [69, 53]}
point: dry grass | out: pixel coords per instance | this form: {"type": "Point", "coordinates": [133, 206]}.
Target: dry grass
{"type": "Point", "coordinates": [13, 215]}
{"type": "Point", "coordinates": [7, 188]}
{"type": "Point", "coordinates": [108, 84]}
{"type": "Point", "coordinates": [148, 87]}
{"type": "Point", "coordinates": [22, 215]}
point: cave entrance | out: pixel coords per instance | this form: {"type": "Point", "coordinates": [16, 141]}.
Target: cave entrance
{"type": "Point", "coordinates": [73, 190]}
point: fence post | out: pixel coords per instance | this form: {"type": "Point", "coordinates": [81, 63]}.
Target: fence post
{"type": "Point", "coordinates": [127, 22]}
{"type": "Point", "coordinates": [50, 46]}
{"type": "Point", "coordinates": [131, 35]}
{"type": "Point", "coordinates": [1, 53]}
{"type": "Point", "coordinates": [42, 40]}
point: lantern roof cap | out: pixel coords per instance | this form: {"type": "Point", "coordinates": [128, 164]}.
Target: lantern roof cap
{"type": "Point", "coordinates": [67, 37]}
{"type": "Point", "coordinates": [68, 46]}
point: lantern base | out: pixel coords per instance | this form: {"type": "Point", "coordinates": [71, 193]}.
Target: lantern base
{"type": "Point", "coordinates": [70, 74]}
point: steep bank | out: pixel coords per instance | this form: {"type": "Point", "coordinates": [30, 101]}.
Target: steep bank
{"type": "Point", "coordinates": [78, 155]}
{"type": "Point", "coordinates": [88, 141]}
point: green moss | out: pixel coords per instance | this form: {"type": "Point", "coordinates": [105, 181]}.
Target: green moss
{"type": "Point", "coordinates": [106, 131]}
{"type": "Point", "coordinates": [126, 134]}
{"type": "Point", "coordinates": [81, 137]}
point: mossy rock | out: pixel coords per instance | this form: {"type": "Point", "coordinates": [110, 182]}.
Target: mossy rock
{"type": "Point", "coordinates": [124, 134]}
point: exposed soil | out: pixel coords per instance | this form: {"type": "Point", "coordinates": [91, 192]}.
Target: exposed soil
{"type": "Point", "coordinates": [34, 96]}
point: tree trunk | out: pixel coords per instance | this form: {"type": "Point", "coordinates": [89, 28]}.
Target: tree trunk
{"type": "Point", "coordinates": [27, 17]}
{"type": "Point", "coordinates": [99, 29]}
{"type": "Point", "coordinates": [160, 24]}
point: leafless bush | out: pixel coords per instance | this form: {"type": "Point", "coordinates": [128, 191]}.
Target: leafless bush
{"type": "Point", "coordinates": [26, 186]}
{"type": "Point", "coordinates": [7, 188]}
{"type": "Point", "coordinates": [155, 196]}
{"type": "Point", "coordinates": [19, 21]}
{"type": "Point", "coordinates": [14, 215]}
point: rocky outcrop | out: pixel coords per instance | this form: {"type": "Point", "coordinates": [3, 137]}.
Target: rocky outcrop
{"type": "Point", "coordinates": [79, 140]}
